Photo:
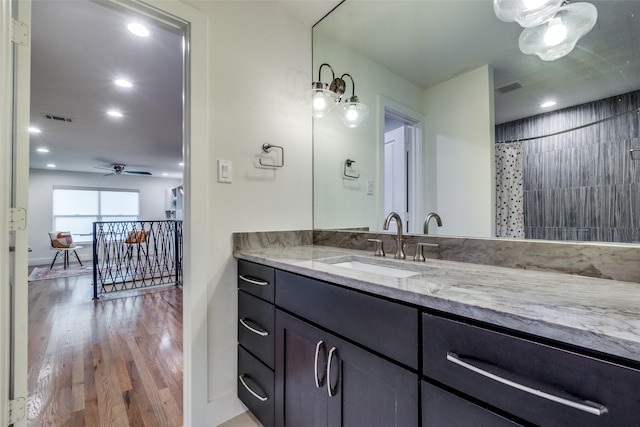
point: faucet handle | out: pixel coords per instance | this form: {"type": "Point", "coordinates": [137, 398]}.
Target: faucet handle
{"type": "Point", "coordinates": [379, 248]}
{"type": "Point", "coordinates": [419, 250]}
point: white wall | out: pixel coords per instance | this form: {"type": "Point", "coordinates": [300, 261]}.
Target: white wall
{"type": "Point", "coordinates": [260, 60]}
{"type": "Point", "coordinates": [344, 203]}
{"type": "Point", "coordinates": [459, 154]}
{"type": "Point", "coordinates": [41, 183]}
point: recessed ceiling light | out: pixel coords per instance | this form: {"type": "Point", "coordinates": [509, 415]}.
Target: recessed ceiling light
{"type": "Point", "coordinates": [123, 83]}
{"type": "Point", "coordinates": [42, 150]}
{"type": "Point", "coordinates": [165, 174]}
{"type": "Point", "coordinates": [51, 165]}
{"type": "Point", "coordinates": [181, 164]}
{"type": "Point", "coordinates": [548, 104]}
{"type": "Point", "coordinates": [138, 29]}
{"type": "Point", "coordinates": [114, 113]}
{"type": "Point", "coordinates": [34, 130]}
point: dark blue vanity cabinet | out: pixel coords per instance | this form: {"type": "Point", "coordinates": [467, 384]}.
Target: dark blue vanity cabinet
{"type": "Point", "coordinates": [535, 382]}
{"type": "Point", "coordinates": [256, 340]}
{"type": "Point", "coordinates": [328, 372]}
{"type": "Point", "coordinates": [313, 353]}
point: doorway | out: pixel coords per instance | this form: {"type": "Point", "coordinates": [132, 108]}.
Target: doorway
{"type": "Point", "coordinates": [79, 123]}
{"type": "Point", "coordinates": [402, 165]}
{"type": "Point", "coordinates": [16, 119]}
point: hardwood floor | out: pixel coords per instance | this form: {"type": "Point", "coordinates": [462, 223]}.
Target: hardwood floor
{"type": "Point", "coordinates": [114, 362]}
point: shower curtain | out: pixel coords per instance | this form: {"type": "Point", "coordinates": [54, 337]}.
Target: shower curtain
{"type": "Point", "coordinates": [509, 191]}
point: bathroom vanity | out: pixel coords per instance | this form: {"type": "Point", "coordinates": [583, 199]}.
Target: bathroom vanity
{"type": "Point", "coordinates": [325, 340]}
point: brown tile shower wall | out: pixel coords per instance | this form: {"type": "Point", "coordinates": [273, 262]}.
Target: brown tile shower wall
{"type": "Point", "coordinates": [582, 185]}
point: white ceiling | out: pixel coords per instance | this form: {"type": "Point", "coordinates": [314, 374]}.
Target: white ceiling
{"type": "Point", "coordinates": [430, 41]}
{"type": "Point", "coordinates": [78, 48]}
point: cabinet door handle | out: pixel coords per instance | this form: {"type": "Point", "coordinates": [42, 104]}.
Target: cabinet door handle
{"type": "Point", "coordinates": [331, 390]}
{"type": "Point", "coordinates": [586, 406]}
{"type": "Point", "coordinates": [262, 333]}
{"type": "Point", "coordinates": [256, 395]}
{"type": "Point", "coordinates": [253, 281]}
{"type": "Point", "coordinates": [319, 381]}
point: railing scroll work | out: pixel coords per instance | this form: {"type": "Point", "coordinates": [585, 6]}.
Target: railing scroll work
{"type": "Point", "coordinates": [136, 254]}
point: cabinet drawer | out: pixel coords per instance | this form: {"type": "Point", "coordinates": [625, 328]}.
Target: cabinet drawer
{"type": "Point", "coordinates": [256, 387]}
{"type": "Point", "coordinates": [256, 320]}
{"type": "Point", "coordinates": [256, 279]}
{"type": "Point", "coordinates": [536, 382]}
{"type": "Point", "coordinates": [441, 408]}
{"type": "Point", "coordinates": [383, 326]}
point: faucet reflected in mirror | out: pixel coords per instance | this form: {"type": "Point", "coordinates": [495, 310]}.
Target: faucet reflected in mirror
{"type": "Point", "coordinates": [430, 216]}
{"type": "Point", "coordinates": [399, 240]}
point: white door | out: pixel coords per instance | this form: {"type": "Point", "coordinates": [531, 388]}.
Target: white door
{"type": "Point", "coordinates": [402, 176]}
{"type": "Point", "coordinates": [395, 175]}
{"type": "Point", "coordinates": [14, 158]}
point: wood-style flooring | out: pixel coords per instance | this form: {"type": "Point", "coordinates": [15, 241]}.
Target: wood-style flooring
{"type": "Point", "coordinates": [114, 362]}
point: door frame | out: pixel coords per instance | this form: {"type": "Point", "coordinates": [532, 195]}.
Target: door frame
{"type": "Point", "coordinates": [415, 195]}
{"type": "Point", "coordinates": [196, 218]}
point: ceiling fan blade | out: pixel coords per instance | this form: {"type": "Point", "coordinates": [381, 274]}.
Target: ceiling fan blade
{"type": "Point", "coordinates": [137, 173]}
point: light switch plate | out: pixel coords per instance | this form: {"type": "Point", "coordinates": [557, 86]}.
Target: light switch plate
{"type": "Point", "coordinates": [370, 187]}
{"type": "Point", "coordinates": [224, 171]}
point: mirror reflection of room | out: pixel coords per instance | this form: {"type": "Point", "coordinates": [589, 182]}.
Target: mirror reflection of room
{"type": "Point", "coordinates": [492, 114]}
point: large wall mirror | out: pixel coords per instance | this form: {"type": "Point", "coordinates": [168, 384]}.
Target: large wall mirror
{"type": "Point", "coordinates": [449, 92]}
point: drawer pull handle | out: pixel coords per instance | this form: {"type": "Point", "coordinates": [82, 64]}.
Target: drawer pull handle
{"type": "Point", "coordinates": [253, 281]}
{"type": "Point", "coordinates": [319, 381]}
{"type": "Point", "coordinates": [256, 395]}
{"type": "Point", "coordinates": [331, 390]}
{"type": "Point", "coordinates": [262, 333]}
{"type": "Point", "coordinates": [590, 407]}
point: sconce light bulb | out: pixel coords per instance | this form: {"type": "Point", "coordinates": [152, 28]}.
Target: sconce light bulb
{"type": "Point", "coordinates": [352, 114]}
{"type": "Point", "coordinates": [556, 33]}
{"type": "Point", "coordinates": [319, 103]}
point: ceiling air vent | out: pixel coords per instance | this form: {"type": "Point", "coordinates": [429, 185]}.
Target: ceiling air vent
{"type": "Point", "coordinates": [58, 118]}
{"type": "Point", "coordinates": [510, 87]}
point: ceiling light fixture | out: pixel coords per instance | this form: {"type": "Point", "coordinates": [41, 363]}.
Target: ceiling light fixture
{"type": "Point", "coordinates": [551, 27]}
{"type": "Point", "coordinates": [181, 164]}
{"type": "Point", "coordinates": [527, 13]}
{"type": "Point", "coordinates": [34, 130]}
{"type": "Point", "coordinates": [42, 150]}
{"type": "Point", "coordinates": [324, 96]}
{"type": "Point", "coordinates": [51, 165]}
{"type": "Point", "coordinates": [548, 104]}
{"type": "Point", "coordinates": [353, 112]}
{"type": "Point", "coordinates": [123, 83]}
{"type": "Point", "coordinates": [114, 113]}
{"type": "Point", "coordinates": [138, 29]}
{"type": "Point", "coordinates": [558, 36]}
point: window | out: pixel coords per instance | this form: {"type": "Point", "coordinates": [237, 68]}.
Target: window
{"type": "Point", "coordinates": [76, 209]}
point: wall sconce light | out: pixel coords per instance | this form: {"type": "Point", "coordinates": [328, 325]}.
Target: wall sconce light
{"type": "Point", "coordinates": [324, 96]}
{"type": "Point", "coordinates": [352, 111]}
{"type": "Point", "coordinates": [551, 27]}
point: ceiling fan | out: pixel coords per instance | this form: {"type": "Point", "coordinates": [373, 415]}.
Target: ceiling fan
{"type": "Point", "coordinates": [119, 169]}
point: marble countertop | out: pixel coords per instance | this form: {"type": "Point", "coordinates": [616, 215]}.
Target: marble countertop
{"type": "Point", "coordinates": [597, 314]}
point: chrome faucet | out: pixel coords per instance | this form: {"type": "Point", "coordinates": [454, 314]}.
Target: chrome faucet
{"type": "Point", "coordinates": [399, 240]}
{"type": "Point", "coordinates": [425, 227]}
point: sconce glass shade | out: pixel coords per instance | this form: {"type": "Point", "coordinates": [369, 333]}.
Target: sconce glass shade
{"type": "Point", "coordinates": [527, 13]}
{"type": "Point", "coordinates": [321, 99]}
{"type": "Point", "coordinates": [558, 36]}
{"type": "Point", "coordinates": [353, 112]}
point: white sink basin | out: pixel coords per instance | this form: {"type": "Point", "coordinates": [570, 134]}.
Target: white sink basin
{"type": "Point", "coordinates": [377, 269]}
